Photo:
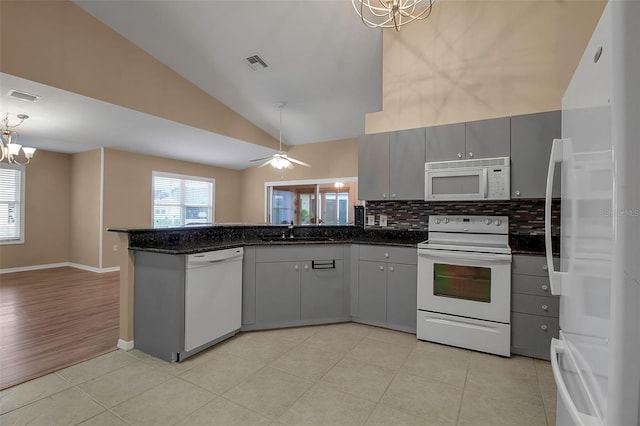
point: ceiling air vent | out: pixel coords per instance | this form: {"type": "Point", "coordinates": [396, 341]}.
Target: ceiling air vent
{"type": "Point", "coordinates": [255, 62]}
{"type": "Point", "coordinates": [23, 96]}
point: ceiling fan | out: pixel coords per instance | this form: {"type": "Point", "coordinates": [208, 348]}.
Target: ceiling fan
{"type": "Point", "coordinates": [280, 160]}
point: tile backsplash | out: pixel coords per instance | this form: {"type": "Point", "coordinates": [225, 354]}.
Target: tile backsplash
{"type": "Point", "coordinates": [526, 216]}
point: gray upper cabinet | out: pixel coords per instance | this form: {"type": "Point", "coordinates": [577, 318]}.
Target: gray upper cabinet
{"type": "Point", "coordinates": [488, 138]}
{"type": "Point", "coordinates": [406, 164]}
{"type": "Point", "coordinates": [445, 143]}
{"type": "Point", "coordinates": [391, 165]}
{"type": "Point", "coordinates": [373, 167]}
{"type": "Point", "coordinates": [531, 139]}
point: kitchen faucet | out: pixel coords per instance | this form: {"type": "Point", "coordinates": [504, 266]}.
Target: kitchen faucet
{"type": "Point", "coordinates": [290, 226]}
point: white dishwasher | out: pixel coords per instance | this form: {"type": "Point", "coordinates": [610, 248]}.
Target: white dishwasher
{"type": "Point", "coordinates": [213, 296]}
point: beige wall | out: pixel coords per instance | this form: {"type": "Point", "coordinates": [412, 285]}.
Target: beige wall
{"type": "Point", "coordinates": [85, 208]}
{"type": "Point", "coordinates": [127, 192]}
{"type": "Point", "coordinates": [59, 44]}
{"type": "Point", "coordinates": [47, 196]}
{"type": "Point", "coordinates": [332, 159]}
{"type": "Point", "coordinates": [472, 60]}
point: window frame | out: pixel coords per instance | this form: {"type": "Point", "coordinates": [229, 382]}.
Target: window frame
{"type": "Point", "coordinates": [268, 192]}
{"type": "Point", "coordinates": [182, 205]}
{"type": "Point", "coordinates": [22, 202]}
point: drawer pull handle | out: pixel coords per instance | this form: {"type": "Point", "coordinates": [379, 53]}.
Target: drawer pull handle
{"type": "Point", "coordinates": [306, 267]}
{"type": "Point", "coordinates": [545, 307]}
{"type": "Point", "coordinates": [295, 267]}
{"type": "Point", "coordinates": [544, 287]}
{"type": "Point", "coordinates": [544, 327]}
{"type": "Point", "coordinates": [382, 268]}
{"type": "Point", "coordinates": [323, 264]}
{"type": "Point", "coordinates": [391, 269]}
{"type": "Point", "coordinates": [386, 255]}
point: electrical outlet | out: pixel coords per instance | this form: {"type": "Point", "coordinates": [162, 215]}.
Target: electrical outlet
{"type": "Point", "coordinates": [115, 247]}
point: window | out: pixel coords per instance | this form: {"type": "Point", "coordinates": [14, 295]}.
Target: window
{"type": "Point", "coordinates": [182, 200]}
{"type": "Point", "coordinates": [308, 202]}
{"type": "Point", "coordinates": [11, 204]}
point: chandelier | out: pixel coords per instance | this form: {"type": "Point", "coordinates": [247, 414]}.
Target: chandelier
{"type": "Point", "coordinates": [10, 148]}
{"type": "Point", "coordinates": [391, 13]}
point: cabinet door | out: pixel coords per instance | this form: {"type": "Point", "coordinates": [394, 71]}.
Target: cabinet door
{"type": "Point", "coordinates": [373, 167]}
{"type": "Point", "coordinates": [488, 138]}
{"type": "Point", "coordinates": [406, 164]}
{"type": "Point", "coordinates": [322, 290]}
{"type": "Point", "coordinates": [531, 139]}
{"type": "Point", "coordinates": [277, 292]}
{"type": "Point", "coordinates": [445, 143]}
{"type": "Point", "coordinates": [531, 334]}
{"type": "Point", "coordinates": [249, 286]}
{"type": "Point", "coordinates": [372, 292]}
{"type": "Point", "coordinates": [402, 296]}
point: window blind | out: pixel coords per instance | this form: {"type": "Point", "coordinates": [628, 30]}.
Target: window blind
{"type": "Point", "coordinates": [11, 203]}
{"type": "Point", "coordinates": [182, 200]}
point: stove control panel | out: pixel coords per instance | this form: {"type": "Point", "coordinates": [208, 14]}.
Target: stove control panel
{"type": "Point", "coordinates": [470, 223]}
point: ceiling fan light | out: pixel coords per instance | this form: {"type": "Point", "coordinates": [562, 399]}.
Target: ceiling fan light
{"type": "Point", "coordinates": [280, 163]}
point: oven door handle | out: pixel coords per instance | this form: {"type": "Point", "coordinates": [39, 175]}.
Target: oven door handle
{"type": "Point", "coordinates": [485, 257]}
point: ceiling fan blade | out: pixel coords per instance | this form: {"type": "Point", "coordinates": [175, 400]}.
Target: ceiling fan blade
{"type": "Point", "coordinates": [260, 159]}
{"type": "Point", "coordinates": [302, 163]}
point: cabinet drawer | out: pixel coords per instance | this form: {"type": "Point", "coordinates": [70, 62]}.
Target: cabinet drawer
{"type": "Point", "coordinates": [536, 305]}
{"type": "Point", "coordinates": [389, 254]}
{"type": "Point", "coordinates": [531, 265]}
{"type": "Point", "coordinates": [299, 252]}
{"type": "Point", "coordinates": [531, 334]}
{"type": "Point", "coordinates": [530, 284]}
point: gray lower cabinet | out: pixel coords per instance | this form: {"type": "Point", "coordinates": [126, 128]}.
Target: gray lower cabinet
{"type": "Point", "coordinates": [534, 311]}
{"type": "Point", "coordinates": [322, 290]}
{"type": "Point", "coordinates": [387, 287]}
{"type": "Point", "coordinates": [372, 291]}
{"type": "Point", "coordinates": [295, 285]}
{"type": "Point", "coordinates": [277, 292]}
{"type": "Point", "coordinates": [531, 139]}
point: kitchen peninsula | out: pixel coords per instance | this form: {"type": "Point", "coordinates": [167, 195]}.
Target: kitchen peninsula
{"type": "Point", "coordinates": [270, 250]}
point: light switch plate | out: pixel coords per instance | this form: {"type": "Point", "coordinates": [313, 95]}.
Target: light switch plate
{"type": "Point", "coordinates": [371, 220]}
{"type": "Point", "coordinates": [383, 220]}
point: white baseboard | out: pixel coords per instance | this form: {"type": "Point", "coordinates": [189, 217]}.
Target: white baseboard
{"type": "Point", "coordinates": [93, 268]}
{"type": "Point", "coordinates": [124, 345]}
{"type": "Point", "coordinates": [59, 265]}
{"type": "Point", "coordinates": [33, 267]}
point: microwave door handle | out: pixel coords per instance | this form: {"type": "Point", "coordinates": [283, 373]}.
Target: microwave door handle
{"type": "Point", "coordinates": [486, 183]}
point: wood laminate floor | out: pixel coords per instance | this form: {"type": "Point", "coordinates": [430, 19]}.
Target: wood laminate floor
{"type": "Point", "coordinates": [54, 318]}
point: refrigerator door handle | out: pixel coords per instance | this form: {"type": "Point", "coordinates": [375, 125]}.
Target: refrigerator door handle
{"type": "Point", "coordinates": [555, 277]}
{"type": "Point", "coordinates": [579, 418]}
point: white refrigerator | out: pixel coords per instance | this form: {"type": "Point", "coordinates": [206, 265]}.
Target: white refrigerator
{"type": "Point", "coordinates": [596, 359]}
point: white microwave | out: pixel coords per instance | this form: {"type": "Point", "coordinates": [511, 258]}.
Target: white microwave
{"type": "Point", "coordinates": [477, 179]}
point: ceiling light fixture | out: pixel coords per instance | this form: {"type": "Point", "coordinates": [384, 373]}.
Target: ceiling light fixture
{"type": "Point", "coordinates": [10, 148]}
{"type": "Point", "coordinates": [280, 160]}
{"type": "Point", "coordinates": [391, 13]}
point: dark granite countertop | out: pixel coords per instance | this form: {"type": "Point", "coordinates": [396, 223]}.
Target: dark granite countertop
{"type": "Point", "coordinates": [197, 239]}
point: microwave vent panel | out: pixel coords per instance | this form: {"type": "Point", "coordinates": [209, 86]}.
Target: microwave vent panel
{"type": "Point", "coordinates": [463, 164]}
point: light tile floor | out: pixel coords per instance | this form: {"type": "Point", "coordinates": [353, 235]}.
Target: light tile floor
{"type": "Point", "coordinates": [341, 374]}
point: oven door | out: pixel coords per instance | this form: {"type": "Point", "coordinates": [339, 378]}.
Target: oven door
{"type": "Point", "coordinates": [473, 285]}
